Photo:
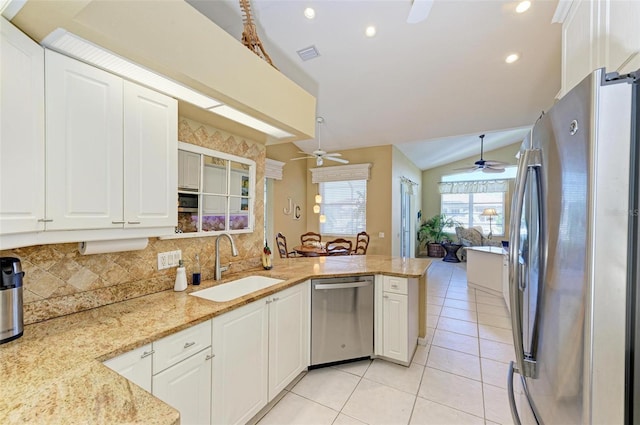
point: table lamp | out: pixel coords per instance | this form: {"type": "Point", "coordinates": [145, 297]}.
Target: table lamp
{"type": "Point", "coordinates": [489, 212]}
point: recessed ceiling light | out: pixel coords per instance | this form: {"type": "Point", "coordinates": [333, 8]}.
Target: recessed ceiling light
{"type": "Point", "coordinates": [523, 6]}
{"type": "Point", "coordinates": [370, 31]}
{"type": "Point", "coordinates": [309, 13]}
{"type": "Point", "coordinates": [512, 58]}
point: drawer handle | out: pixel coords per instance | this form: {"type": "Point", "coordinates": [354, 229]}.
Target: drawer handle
{"type": "Point", "coordinates": [394, 286]}
{"type": "Point", "coordinates": [45, 220]}
{"type": "Point", "coordinates": [117, 222]}
{"type": "Point", "coordinates": [275, 299]}
{"type": "Point", "coordinates": [189, 344]}
{"type": "Point", "coordinates": [147, 354]}
{"type": "Point", "coordinates": [268, 302]}
{"type": "Point", "coordinates": [133, 222]}
{"type": "Point", "coordinates": [385, 296]}
{"type": "Point", "coordinates": [209, 357]}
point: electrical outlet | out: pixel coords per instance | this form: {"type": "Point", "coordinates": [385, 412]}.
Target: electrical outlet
{"type": "Point", "coordinates": [162, 261]}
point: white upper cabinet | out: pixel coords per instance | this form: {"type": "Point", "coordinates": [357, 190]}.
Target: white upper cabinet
{"type": "Point", "coordinates": [111, 150]}
{"type": "Point", "coordinates": [596, 34]}
{"type": "Point", "coordinates": [21, 132]}
{"type": "Point", "coordinates": [150, 157]}
{"type": "Point", "coordinates": [84, 145]}
{"type": "Point", "coordinates": [188, 170]}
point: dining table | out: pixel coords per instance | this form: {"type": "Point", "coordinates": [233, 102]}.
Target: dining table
{"type": "Point", "coordinates": [316, 251]}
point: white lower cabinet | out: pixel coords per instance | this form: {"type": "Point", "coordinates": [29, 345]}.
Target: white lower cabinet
{"type": "Point", "coordinates": [134, 365]}
{"type": "Point", "coordinates": [399, 319]}
{"type": "Point", "coordinates": [259, 349]}
{"type": "Point", "coordinates": [186, 387]}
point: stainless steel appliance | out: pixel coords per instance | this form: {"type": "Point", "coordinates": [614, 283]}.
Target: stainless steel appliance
{"type": "Point", "coordinates": [341, 319]}
{"type": "Point", "coordinates": [11, 323]}
{"type": "Point", "coordinates": [574, 258]}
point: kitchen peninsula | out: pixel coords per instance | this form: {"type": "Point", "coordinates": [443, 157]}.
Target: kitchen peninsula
{"type": "Point", "coordinates": [54, 374]}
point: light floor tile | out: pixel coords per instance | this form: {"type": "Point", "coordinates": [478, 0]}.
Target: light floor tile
{"type": "Point", "coordinates": [343, 419]}
{"type": "Point", "coordinates": [434, 310]}
{"type": "Point", "coordinates": [496, 351]}
{"type": "Point", "coordinates": [356, 368]}
{"type": "Point", "coordinates": [502, 335]}
{"type": "Point", "coordinates": [402, 378]}
{"type": "Point", "coordinates": [494, 310]}
{"type": "Point", "coordinates": [462, 364]}
{"type": "Point", "coordinates": [496, 404]}
{"type": "Point", "coordinates": [460, 304]}
{"type": "Point", "coordinates": [432, 320]}
{"type": "Point", "coordinates": [458, 284]}
{"type": "Point", "coordinates": [458, 326]}
{"type": "Point", "coordinates": [435, 300]}
{"type": "Point", "coordinates": [452, 390]}
{"type": "Point", "coordinates": [327, 386]}
{"type": "Point", "coordinates": [420, 356]}
{"type": "Point", "coordinates": [484, 298]}
{"type": "Point", "coordinates": [426, 412]}
{"type": "Point", "coordinates": [375, 403]}
{"type": "Point", "coordinates": [491, 320]}
{"type": "Point", "coordinates": [455, 313]}
{"type": "Point", "coordinates": [293, 409]}
{"type": "Point", "coordinates": [461, 294]}
{"type": "Point", "coordinates": [494, 373]}
{"type": "Point", "coordinates": [431, 330]}
{"type": "Point", "coordinates": [457, 342]}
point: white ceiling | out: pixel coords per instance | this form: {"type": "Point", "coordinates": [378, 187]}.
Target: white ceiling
{"type": "Point", "coordinates": [428, 88]}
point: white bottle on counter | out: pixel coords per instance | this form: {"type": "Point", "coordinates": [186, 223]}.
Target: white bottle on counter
{"type": "Point", "coordinates": [181, 277]}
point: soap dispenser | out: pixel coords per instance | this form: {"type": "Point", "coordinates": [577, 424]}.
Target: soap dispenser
{"type": "Point", "coordinates": [181, 277]}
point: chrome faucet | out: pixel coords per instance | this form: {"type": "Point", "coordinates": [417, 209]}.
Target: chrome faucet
{"type": "Point", "coordinates": [234, 252]}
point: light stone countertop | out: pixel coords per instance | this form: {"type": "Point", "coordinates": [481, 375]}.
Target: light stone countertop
{"type": "Point", "coordinates": [53, 373]}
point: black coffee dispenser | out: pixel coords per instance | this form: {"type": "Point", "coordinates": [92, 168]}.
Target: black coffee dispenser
{"type": "Point", "coordinates": [11, 323]}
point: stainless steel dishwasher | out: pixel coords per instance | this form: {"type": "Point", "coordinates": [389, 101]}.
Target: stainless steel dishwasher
{"type": "Point", "coordinates": [341, 319]}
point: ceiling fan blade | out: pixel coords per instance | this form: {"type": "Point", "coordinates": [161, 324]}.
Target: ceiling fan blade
{"type": "Point", "coordinates": [333, 158]}
{"type": "Point", "coordinates": [469, 169]}
{"type": "Point", "coordinates": [492, 170]}
{"type": "Point", "coordinates": [419, 11]}
{"type": "Point", "coordinates": [492, 163]}
{"type": "Point", "coordinates": [303, 157]}
{"type": "Point", "coordinates": [332, 154]}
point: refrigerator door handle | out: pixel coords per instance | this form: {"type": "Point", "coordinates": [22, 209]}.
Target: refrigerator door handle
{"type": "Point", "coordinates": [529, 159]}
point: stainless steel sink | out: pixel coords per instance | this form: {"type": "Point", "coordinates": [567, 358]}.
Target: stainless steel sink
{"type": "Point", "coordinates": [236, 288]}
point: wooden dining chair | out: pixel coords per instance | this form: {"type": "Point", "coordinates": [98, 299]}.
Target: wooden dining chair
{"type": "Point", "coordinates": [362, 243]}
{"type": "Point", "coordinates": [309, 237]}
{"type": "Point", "coordinates": [281, 241]}
{"type": "Point", "coordinates": [339, 247]}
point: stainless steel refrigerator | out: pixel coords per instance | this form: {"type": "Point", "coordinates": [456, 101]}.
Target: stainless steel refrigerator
{"type": "Point", "coordinates": [574, 259]}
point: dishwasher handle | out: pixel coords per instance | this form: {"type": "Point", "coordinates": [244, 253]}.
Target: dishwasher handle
{"type": "Point", "coordinates": [340, 285]}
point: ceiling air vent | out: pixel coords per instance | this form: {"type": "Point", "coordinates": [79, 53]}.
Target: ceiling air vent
{"type": "Point", "coordinates": [308, 53]}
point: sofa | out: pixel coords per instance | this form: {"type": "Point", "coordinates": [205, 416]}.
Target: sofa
{"type": "Point", "coordinates": [472, 237]}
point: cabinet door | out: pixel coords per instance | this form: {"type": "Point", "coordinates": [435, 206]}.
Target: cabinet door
{"type": "Point", "coordinates": [288, 336]}
{"type": "Point", "coordinates": [188, 170]}
{"type": "Point", "coordinates": [622, 46]}
{"type": "Point", "coordinates": [579, 43]}
{"type": "Point", "coordinates": [395, 326]}
{"type": "Point", "coordinates": [150, 158]}
{"type": "Point", "coordinates": [84, 145]}
{"type": "Point", "coordinates": [135, 366]}
{"type": "Point", "coordinates": [21, 132]}
{"type": "Point", "coordinates": [186, 387]}
{"type": "Point", "coordinates": [240, 346]}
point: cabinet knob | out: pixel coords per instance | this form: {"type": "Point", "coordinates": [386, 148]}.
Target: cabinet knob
{"type": "Point", "coordinates": [385, 296]}
{"type": "Point", "coordinates": [189, 344]}
{"type": "Point", "coordinates": [147, 354]}
{"type": "Point", "coordinates": [209, 357]}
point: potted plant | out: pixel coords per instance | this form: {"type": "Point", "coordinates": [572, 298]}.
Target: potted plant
{"type": "Point", "coordinates": [431, 233]}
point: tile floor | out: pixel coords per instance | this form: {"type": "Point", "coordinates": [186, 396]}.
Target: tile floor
{"type": "Point", "coordinates": [459, 377]}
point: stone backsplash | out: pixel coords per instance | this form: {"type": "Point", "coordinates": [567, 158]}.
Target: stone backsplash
{"type": "Point", "coordinates": [59, 280]}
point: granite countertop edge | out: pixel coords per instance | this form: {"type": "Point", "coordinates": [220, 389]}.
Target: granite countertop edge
{"type": "Point", "coordinates": [54, 372]}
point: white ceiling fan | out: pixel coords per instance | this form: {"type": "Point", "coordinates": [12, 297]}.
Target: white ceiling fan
{"type": "Point", "coordinates": [419, 11]}
{"type": "Point", "coordinates": [319, 154]}
{"type": "Point", "coordinates": [486, 165]}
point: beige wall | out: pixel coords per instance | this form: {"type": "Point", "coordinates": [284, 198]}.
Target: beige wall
{"type": "Point", "coordinates": [431, 178]}
{"type": "Point", "coordinates": [293, 185]}
{"type": "Point", "coordinates": [403, 167]}
{"type": "Point", "coordinates": [60, 281]}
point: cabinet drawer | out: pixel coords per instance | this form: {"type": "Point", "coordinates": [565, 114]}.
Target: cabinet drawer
{"type": "Point", "coordinates": [397, 285]}
{"type": "Point", "coordinates": [174, 348]}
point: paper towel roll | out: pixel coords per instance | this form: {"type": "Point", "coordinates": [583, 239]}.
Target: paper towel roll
{"type": "Point", "coordinates": [117, 245]}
